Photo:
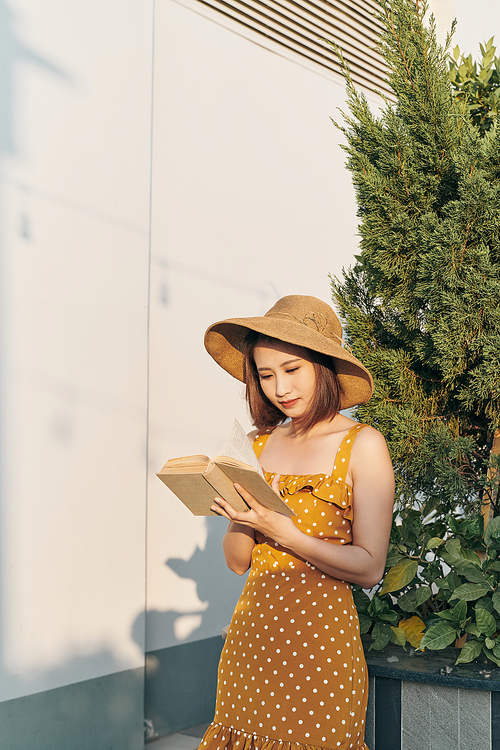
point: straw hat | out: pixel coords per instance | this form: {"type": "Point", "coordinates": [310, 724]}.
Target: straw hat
{"type": "Point", "coordinates": [300, 320]}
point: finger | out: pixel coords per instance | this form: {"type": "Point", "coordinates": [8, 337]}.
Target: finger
{"type": "Point", "coordinates": [247, 497]}
{"type": "Point", "coordinates": [218, 509]}
{"type": "Point", "coordinates": [229, 512]}
{"type": "Point", "coordinates": [275, 484]}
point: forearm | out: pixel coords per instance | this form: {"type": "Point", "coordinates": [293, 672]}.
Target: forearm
{"type": "Point", "coordinates": [346, 562]}
{"type": "Point", "coordinates": [238, 544]}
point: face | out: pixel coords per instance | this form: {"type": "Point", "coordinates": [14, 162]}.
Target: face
{"type": "Point", "coordinates": [286, 375]}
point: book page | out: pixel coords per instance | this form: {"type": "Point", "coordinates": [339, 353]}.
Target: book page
{"type": "Point", "coordinates": [239, 446]}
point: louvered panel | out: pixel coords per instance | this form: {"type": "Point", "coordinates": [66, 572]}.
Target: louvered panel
{"type": "Point", "coordinates": [303, 26]}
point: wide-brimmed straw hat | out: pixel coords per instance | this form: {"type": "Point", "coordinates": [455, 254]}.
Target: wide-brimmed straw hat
{"type": "Point", "coordinates": [300, 320]}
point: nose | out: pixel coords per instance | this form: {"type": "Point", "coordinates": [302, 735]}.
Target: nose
{"type": "Point", "coordinates": [282, 385]}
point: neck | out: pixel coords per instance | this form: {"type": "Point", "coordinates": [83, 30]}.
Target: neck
{"type": "Point", "coordinates": [296, 427]}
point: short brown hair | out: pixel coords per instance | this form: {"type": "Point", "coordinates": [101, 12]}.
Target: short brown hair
{"type": "Point", "coordinates": [325, 403]}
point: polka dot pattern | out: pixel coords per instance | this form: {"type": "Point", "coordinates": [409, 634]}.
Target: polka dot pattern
{"type": "Point", "coordinates": [292, 671]}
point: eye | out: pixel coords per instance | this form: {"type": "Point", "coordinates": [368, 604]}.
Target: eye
{"type": "Point", "coordinates": [265, 377]}
{"type": "Point", "coordinates": [292, 369]}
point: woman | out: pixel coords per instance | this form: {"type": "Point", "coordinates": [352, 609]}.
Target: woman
{"type": "Point", "coordinates": [292, 670]}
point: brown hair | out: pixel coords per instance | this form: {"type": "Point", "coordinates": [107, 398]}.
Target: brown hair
{"type": "Point", "coordinates": [326, 401]}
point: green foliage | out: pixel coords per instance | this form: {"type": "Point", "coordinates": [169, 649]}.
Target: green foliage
{"type": "Point", "coordinates": [421, 308]}
{"type": "Point", "coordinates": [478, 87]}
{"type": "Point", "coordinates": [455, 593]}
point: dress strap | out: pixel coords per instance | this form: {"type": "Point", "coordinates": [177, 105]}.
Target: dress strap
{"type": "Point", "coordinates": [259, 442]}
{"type": "Point", "coordinates": [341, 464]}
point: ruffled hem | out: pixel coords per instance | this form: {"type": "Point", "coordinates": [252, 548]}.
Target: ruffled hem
{"type": "Point", "coordinates": [219, 737]}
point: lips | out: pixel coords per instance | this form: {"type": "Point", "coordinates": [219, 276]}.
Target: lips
{"type": "Point", "coordinates": [288, 404]}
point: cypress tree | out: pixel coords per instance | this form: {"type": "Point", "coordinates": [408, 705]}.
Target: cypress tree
{"type": "Point", "coordinates": [421, 305]}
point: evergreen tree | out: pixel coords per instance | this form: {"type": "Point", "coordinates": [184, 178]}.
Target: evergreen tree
{"type": "Point", "coordinates": [421, 308]}
{"type": "Point", "coordinates": [422, 303]}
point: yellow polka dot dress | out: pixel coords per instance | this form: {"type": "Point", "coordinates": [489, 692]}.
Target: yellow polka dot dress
{"type": "Point", "coordinates": [292, 672]}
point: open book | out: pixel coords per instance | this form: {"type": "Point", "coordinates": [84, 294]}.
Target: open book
{"type": "Point", "coordinates": [196, 480]}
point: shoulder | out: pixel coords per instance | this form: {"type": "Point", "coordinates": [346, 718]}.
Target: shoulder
{"type": "Point", "coordinates": [369, 437]}
{"type": "Point", "coordinates": [369, 448]}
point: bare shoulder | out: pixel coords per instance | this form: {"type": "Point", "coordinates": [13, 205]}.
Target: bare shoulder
{"type": "Point", "coordinates": [370, 452]}
{"type": "Point", "coordinates": [369, 438]}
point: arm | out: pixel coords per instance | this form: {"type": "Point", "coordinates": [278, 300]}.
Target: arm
{"type": "Point", "coordinates": [361, 562]}
{"type": "Point", "coordinates": [238, 544]}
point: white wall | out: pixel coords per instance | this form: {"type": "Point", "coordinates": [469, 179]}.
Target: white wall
{"type": "Point", "coordinates": [476, 23]}
{"type": "Point", "coordinates": [251, 201]}
{"type": "Point", "coordinates": [75, 93]}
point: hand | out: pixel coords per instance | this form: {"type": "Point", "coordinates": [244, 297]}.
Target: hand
{"type": "Point", "coordinates": [269, 523]}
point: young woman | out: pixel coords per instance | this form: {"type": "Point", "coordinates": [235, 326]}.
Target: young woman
{"type": "Point", "coordinates": [292, 671]}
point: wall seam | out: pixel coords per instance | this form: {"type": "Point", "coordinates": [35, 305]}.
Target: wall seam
{"type": "Point", "coordinates": [148, 325]}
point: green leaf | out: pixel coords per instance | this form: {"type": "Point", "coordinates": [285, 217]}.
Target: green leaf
{"type": "Point", "coordinates": [376, 606]}
{"type": "Point", "coordinates": [450, 582]}
{"type": "Point", "coordinates": [434, 542]}
{"type": "Point", "coordinates": [473, 629]}
{"type": "Point", "coordinates": [438, 636]}
{"type": "Point", "coordinates": [393, 557]}
{"type": "Point", "coordinates": [470, 591]}
{"type": "Point", "coordinates": [390, 616]}
{"type": "Point", "coordinates": [365, 622]}
{"type": "Point", "coordinates": [471, 557]}
{"type": "Point", "coordinates": [423, 593]}
{"type": "Point", "coordinates": [485, 603]}
{"type": "Point", "coordinates": [408, 602]}
{"type": "Point", "coordinates": [398, 637]}
{"type": "Point", "coordinates": [470, 651]}
{"type": "Point", "coordinates": [473, 574]}
{"type": "Point", "coordinates": [446, 614]}
{"type": "Point", "coordinates": [361, 600]}
{"type": "Point", "coordinates": [453, 552]}
{"type": "Point", "coordinates": [490, 643]}
{"type": "Point", "coordinates": [399, 576]}
{"type": "Point", "coordinates": [492, 533]}
{"type": "Point", "coordinates": [460, 612]}
{"type": "Point", "coordinates": [495, 600]}
{"type": "Point", "coordinates": [491, 655]}
{"type": "Point", "coordinates": [381, 635]}
{"type": "Point", "coordinates": [485, 621]}
{"type": "Point", "coordinates": [494, 566]}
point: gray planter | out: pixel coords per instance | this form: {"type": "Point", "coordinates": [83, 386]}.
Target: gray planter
{"type": "Point", "coordinates": [420, 701]}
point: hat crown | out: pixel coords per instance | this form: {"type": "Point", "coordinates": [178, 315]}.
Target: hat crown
{"type": "Point", "coordinates": [310, 312]}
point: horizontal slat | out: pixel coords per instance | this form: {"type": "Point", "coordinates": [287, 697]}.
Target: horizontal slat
{"type": "Point", "coordinates": [304, 25]}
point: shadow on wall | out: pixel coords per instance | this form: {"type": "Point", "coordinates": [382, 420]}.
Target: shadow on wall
{"type": "Point", "coordinates": [216, 586]}
{"type": "Point", "coordinates": [180, 681]}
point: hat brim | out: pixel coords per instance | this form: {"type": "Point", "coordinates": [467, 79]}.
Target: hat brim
{"type": "Point", "coordinates": [226, 343]}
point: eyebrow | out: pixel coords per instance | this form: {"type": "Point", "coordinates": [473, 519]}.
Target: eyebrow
{"type": "Point", "coordinates": [283, 364]}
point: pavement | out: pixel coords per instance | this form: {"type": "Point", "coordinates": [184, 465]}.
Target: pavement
{"type": "Point", "coordinates": [188, 739]}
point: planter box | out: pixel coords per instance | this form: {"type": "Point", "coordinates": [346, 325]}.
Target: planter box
{"type": "Point", "coordinates": [420, 701]}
